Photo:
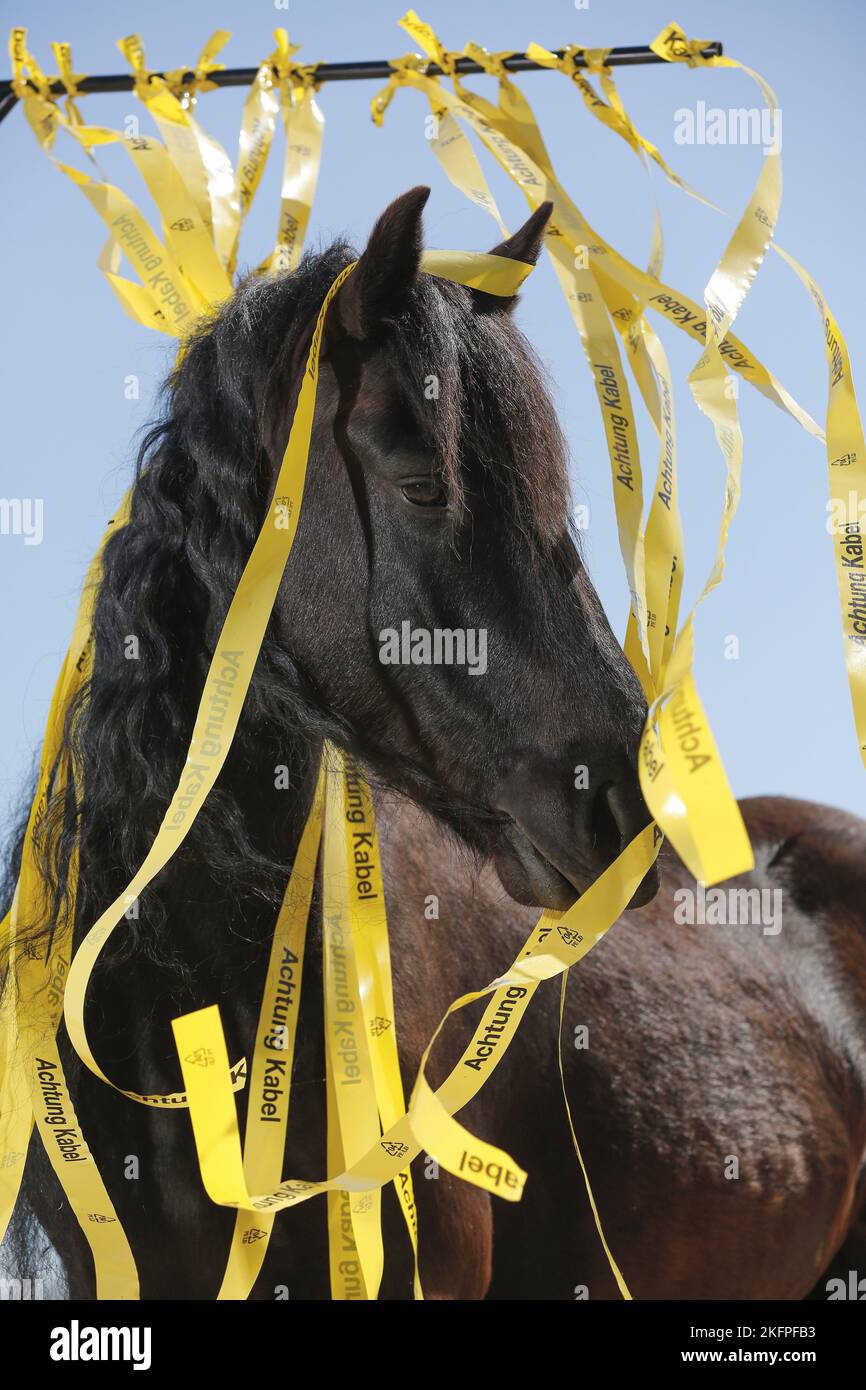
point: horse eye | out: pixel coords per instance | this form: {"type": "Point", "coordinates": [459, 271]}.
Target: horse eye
{"type": "Point", "coordinates": [425, 492]}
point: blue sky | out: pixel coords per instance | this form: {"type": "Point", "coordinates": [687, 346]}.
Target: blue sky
{"type": "Point", "coordinates": [781, 711]}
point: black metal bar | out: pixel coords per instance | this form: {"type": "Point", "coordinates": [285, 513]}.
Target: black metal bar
{"type": "Point", "coordinates": [378, 68]}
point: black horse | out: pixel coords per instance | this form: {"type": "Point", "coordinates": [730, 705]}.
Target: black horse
{"type": "Point", "coordinates": [721, 1100]}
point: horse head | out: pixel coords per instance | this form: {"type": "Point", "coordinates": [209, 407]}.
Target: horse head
{"type": "Point", "coordinates": [435, 598]}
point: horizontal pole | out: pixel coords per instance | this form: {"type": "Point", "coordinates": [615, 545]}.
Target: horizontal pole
{"type": "Point", "coordinates": [378, 68]}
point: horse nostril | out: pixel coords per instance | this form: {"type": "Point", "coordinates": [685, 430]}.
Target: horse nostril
{"type": "Point", "coordinates": [619, 812]}
{"type": "Point", "coordinates": [605, 828]}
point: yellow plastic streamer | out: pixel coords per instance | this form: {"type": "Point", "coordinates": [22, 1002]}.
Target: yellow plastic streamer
{"type": "Point", "coordinates": [701, 816]}
{"type": "Point", "coordinates": [273, 1054]}
{"type": "Point", "coordinates": [372, 1135]}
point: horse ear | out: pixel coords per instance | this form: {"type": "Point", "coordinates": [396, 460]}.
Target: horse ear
{"type": "Point", "coordinates": [524, 245]}
{"type": "Point", "coordinates": [376, 291]}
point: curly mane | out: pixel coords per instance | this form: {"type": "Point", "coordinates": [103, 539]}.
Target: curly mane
{"type": "Point", "coordinates": [200, 490]}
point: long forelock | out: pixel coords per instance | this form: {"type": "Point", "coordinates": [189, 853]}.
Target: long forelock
{"type": "Point", "coordinates": [490, 409]}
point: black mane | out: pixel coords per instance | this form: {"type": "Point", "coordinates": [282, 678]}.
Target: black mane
{"type": "Point", "coordinates": [201, 486]}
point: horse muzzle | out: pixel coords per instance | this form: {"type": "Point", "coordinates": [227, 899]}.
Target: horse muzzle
{"type": "Point", "coordinates": [555, 844]}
